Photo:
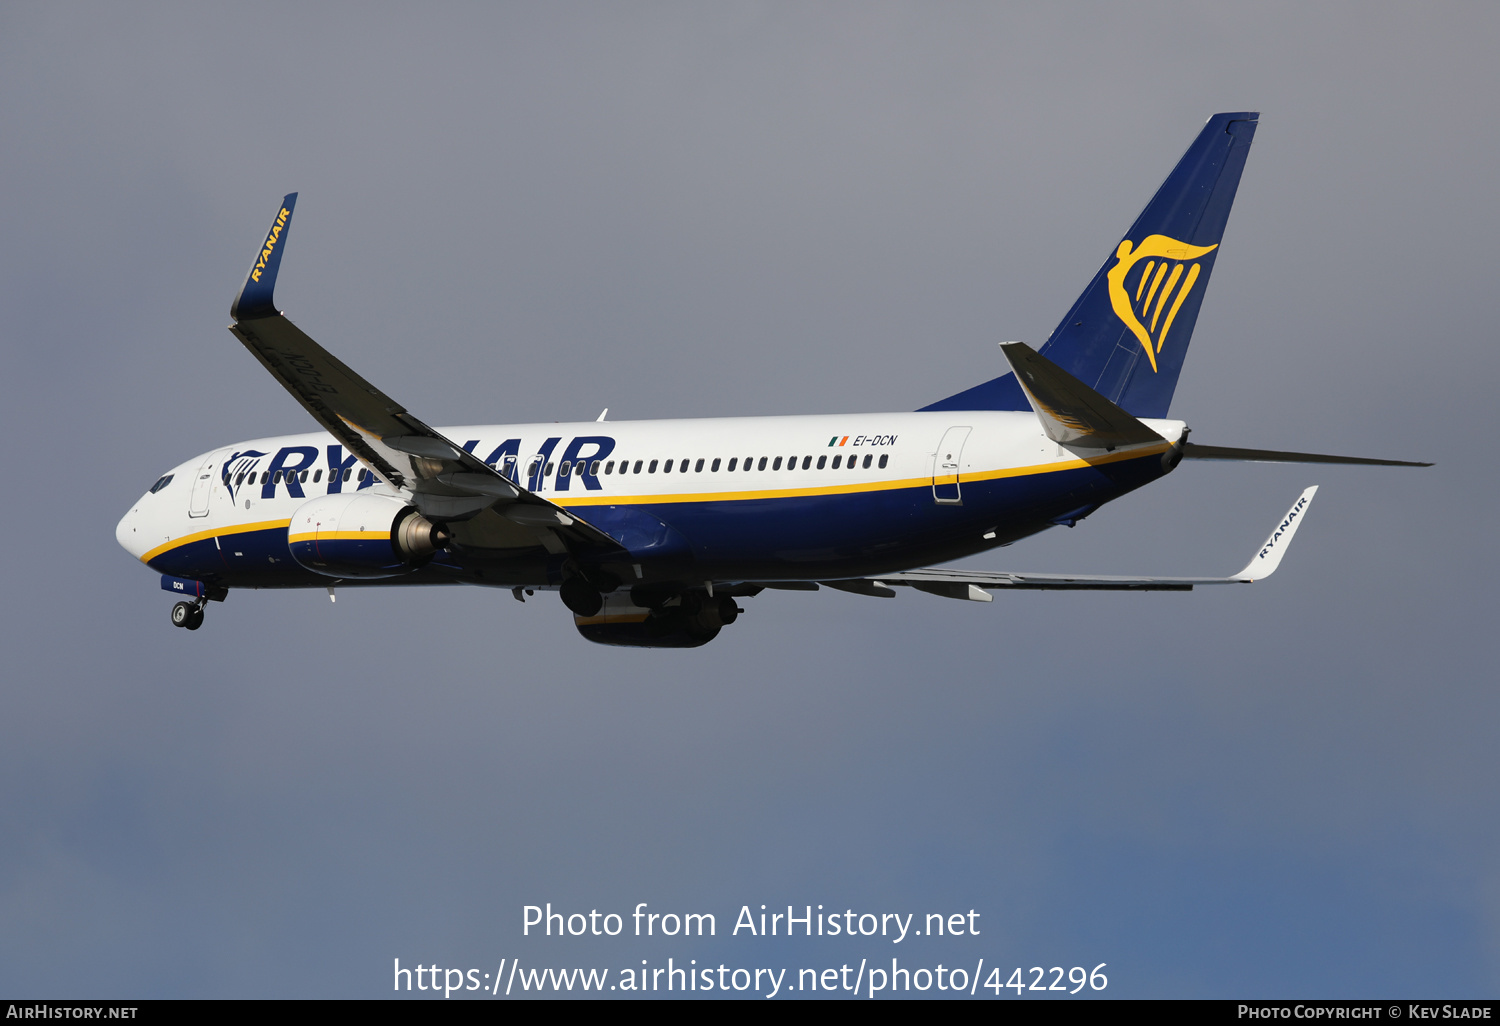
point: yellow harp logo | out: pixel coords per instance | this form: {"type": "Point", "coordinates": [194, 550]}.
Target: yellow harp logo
{"type": "Point", "coordinates": [1164, 282]}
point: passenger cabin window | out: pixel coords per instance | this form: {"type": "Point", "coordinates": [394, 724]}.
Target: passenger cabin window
{"type": "Point", "coordinates": [548, 471]}
{"type": "Point", "coordinates": [650, 469]}
{"type": "Point", "coordinates": [822, 460]}
{"type": "Point", "coordinates": [609, 468]}
{"type": "Point", "coordinates": [774, 466]}
{"type": "Point", "coordinates": [348, 471]}
{"type": "Point", "coordinates": [807, 462]}
{"type": "Point", "coordinates": [883, 458]}
{"type": "Point", "coordinates": [867, 461]}
{"type": "Point", "coordinates": [317, 476]}
{"type": "Point", "coordinates": [762, 464]}
{"type": "Point", "coordinates": [732, 461]}
{"type": "Point", "coordinates": [713, 468]}
{"type": "Point", "coordinates": [835, 462]}
{"type": "Point", "coordinates": [594, 470]}
{"type": "Point", "coordinates": [684, 466]}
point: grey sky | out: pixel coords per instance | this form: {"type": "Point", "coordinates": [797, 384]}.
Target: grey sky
{"type": "Point", "coordinates": [530, 212]}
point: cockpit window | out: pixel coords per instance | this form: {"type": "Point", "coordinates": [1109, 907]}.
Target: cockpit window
{"type": "Point", "coordinates": [161, 483]}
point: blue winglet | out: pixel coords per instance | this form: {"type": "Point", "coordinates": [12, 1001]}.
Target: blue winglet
{"type": "Point", "coordinates": [256, 296]}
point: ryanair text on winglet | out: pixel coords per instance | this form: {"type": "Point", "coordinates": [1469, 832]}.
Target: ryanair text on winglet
{"type": "Point", "coordinates": [1282, 527]}
{"type": "Point", "coordinates": [270, 245]}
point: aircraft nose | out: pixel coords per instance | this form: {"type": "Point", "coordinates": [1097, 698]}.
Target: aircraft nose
{"type": "Point", "coordinates": [128, 533]}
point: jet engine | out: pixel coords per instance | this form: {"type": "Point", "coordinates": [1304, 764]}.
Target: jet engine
{"type": "Point", "coordinates": [362, 536]}
{"type": "Point", "coordinates": [688, 620]}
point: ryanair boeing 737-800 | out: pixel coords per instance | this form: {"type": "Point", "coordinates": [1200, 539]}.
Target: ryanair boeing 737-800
{"type": "Point", "coordinates": [652, 532]}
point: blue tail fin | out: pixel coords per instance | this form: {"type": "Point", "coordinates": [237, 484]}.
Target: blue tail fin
{"type": "Point", "coordinates": [1128, 333]}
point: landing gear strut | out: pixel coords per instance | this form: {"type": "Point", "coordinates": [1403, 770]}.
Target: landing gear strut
{"type": "Point", "coordinates": [188, 615]}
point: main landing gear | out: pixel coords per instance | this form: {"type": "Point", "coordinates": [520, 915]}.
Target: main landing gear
{"type": "Point", "coordinates": [188, 615]}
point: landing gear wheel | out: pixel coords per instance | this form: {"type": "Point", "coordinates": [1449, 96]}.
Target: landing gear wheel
{"type": "Point", "coordinates": [187, 615]}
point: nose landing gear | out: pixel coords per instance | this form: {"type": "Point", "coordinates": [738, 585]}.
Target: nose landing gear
{"type": "Point", "coordinates": [188, 615]}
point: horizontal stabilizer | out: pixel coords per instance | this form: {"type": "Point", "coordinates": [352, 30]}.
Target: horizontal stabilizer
{"type": "Point", "coordinates": [1072, 413]}
{"type": "Point", "coordinates": [1193, 451]}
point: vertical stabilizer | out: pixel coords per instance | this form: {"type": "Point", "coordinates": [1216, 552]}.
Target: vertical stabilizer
{"type": "Point", "coordinates": [1128, 333]}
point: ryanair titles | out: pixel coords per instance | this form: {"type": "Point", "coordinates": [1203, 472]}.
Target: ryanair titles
{"type": "Point", "coordinates": [1281, 528]}
{"type": "Point", "coordinates": [270, 244]}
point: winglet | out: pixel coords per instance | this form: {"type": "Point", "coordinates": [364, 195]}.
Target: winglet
{"type": "Point", "coordinates": [1265, 561]}
{"type": "Point", "coordinates": [256, 295]}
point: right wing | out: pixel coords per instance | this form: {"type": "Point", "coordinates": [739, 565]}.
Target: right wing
{"type": "Point", "coordinates": [483, 508]}
{"type": "Point", "coordinates": [972, 584]}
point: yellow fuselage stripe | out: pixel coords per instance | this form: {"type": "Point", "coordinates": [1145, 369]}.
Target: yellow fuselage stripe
{"type": "Point", "coordinates": [849, 489]}
{"type": "Point", "coordinates": [217, 532]}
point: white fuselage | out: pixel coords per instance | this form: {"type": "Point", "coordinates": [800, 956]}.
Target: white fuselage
{"type": "Point", "coordinates": [953, 471]}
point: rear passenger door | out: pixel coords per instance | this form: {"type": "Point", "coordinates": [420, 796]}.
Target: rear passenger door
{"type": "Point", "coordinates": [946, 489]}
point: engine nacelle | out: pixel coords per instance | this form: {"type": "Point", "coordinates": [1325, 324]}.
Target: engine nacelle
{"type": "Point", "coordinates": [362, 536]}
{"type": "Point", "coordinates": [691, 620]}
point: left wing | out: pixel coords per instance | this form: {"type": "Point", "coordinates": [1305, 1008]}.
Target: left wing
{"type": "Point", "coordinates": [971, 584]}
{"type": "Point", "coordinates": [442, 480]}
